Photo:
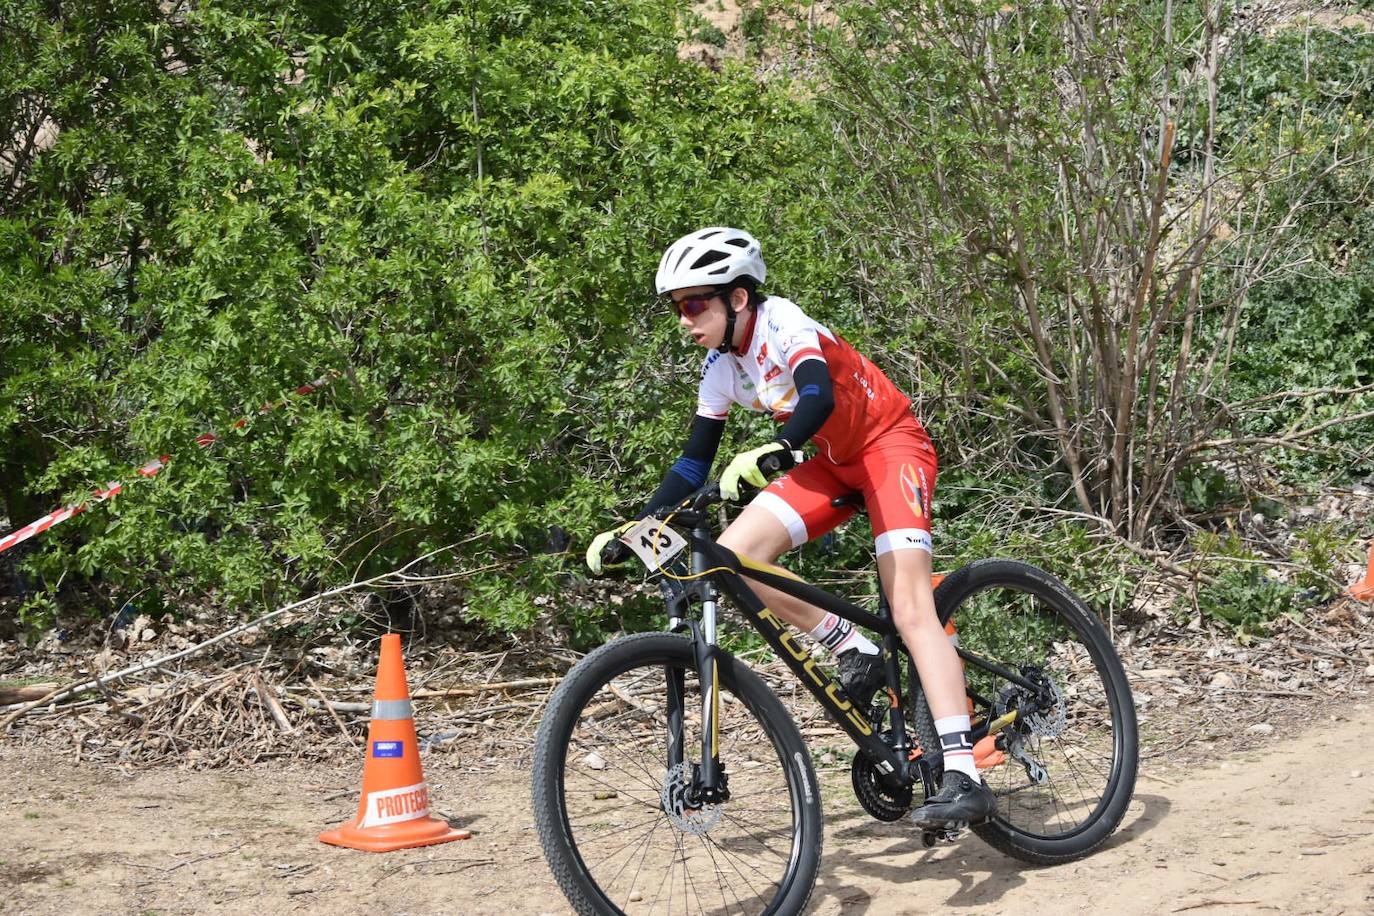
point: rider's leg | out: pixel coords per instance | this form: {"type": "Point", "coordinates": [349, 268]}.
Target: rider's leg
{"type": "Point", "coordinates": [760, 534]}
{"type": "Point", "coordinates": [757, 534]}
{"type": "Point", "coordinates": [963, 798]}
{"type": "Point", "coordinates": [906, 579]}
{"type": "Point", "coordinates": [900, 473]}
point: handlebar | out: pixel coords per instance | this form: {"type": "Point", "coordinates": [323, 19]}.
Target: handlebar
{"type": "Point", "coordinates": [689, 512]}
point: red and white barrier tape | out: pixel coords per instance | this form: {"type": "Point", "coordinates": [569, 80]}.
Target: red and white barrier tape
{"type": "Point", "coordinates": [204, 440]}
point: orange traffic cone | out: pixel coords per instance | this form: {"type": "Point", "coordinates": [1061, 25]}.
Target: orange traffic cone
{"type": "Point", "coordinates": [394, 810]}
{"type": "Point", "coordinates": [1364, 590]}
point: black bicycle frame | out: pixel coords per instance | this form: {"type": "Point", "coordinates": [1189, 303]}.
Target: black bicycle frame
{"type": "Point", "coordinates": [718, 569]}
{"type": "Point", "coordinates": [729, 571]}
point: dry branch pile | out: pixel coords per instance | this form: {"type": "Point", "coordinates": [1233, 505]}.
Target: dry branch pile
{"type": "Point", "coordinates": [278, 694]}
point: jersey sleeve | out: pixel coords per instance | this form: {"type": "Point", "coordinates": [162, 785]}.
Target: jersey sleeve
{"type": "Point", "coordinates": [713, 394]}
{"type": "Point", "coordinates": [794, 336]}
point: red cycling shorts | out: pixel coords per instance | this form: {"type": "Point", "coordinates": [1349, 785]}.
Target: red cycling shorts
{"type": "Point", "coordinates": [895, 473]}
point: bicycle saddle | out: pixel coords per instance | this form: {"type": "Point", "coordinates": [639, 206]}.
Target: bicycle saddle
{"type": "Point", "coordinates": [854, 500]}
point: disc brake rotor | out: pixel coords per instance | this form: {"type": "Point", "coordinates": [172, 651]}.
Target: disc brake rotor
{"type": "Point", "coordinates": [1046, 720]}
{"type": "Point", "coordinates": [1051, 722]}
{"type": "Point", "coordinates": [694, 818]}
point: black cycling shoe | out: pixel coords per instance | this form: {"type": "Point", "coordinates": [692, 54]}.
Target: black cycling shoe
{"type": "Point", "coordinates": [861, 675]}
{"type": "Point", "coordinates": [960, 800]}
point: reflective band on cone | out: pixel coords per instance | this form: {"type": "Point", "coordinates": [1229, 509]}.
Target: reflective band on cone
{"type": "Point", "coordinates": [393, 812]}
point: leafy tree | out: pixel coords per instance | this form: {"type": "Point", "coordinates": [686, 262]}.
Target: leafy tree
{"type": "Point", "coordinates": [1066, 209]}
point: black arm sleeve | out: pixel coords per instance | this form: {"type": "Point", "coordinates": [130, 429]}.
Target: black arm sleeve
{"type": "Point", "coordinates": [815, 401]}
{"type": "Point", "coordinates": [689, 471]}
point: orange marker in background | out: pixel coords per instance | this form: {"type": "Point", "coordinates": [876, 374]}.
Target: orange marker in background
{"type": "Point", "coordinates": [1364, 590]}
{"type": "Point", "coordinates": [394, 810]}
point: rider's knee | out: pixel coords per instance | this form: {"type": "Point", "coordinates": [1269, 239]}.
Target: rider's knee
{"type": "Point", "coordinates": [915, 618]}
{"type": "Point", "coordinates": [754, 540]}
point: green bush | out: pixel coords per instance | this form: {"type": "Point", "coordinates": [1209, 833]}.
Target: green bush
{"type": "Point", "coordinates": [1320, 554]}
{"type": "Point", "coordinates": [458, 206]}
{"type": "Point", "coordinates": [1245, 599]}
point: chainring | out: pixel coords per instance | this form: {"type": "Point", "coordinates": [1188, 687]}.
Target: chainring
{"type": "Point", "coordinates": [877, 799]}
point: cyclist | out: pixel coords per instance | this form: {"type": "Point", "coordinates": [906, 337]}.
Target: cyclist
{"type": "Point", "coordinates": [766, 354]}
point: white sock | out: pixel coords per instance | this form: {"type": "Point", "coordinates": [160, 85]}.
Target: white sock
{"type": "Point", "coordinates": [838, 635]}
{"type": "Point", "coordinates": [957, 744]}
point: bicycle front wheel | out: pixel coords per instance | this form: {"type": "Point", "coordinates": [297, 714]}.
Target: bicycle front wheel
{"type": "Point", "coordinates": [624, 832]}
{"type": "Point", "coordinates": [1064, 770]}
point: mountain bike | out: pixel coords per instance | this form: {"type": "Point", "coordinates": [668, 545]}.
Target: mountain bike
{"type": "Point", "coordinates": [668, 778]}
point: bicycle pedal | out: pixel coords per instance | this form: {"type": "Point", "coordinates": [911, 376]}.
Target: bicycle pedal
{"type": "Point", "coordinates": [945, 834]}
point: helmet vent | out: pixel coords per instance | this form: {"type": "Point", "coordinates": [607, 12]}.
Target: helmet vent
{"type": "Point", "coordinates": [708, 259]}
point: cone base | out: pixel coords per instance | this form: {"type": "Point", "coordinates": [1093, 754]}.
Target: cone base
{"type": "Point", "coordinates": [427, 831]}
{"type": "Point", "coordinates": [1362, 591]}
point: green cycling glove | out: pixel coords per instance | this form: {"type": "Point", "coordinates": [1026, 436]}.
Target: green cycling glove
{"type": "Point", "coordinates": [745, 467]}
{"type": "Point", "coordinates": [599, 544]}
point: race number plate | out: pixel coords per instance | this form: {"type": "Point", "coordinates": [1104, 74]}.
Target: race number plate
{"type": "Point", "coordinates": [654, 542]}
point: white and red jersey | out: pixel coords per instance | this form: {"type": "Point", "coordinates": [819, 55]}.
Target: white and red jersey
{"type": "Point", "coordinates": [779, 337]}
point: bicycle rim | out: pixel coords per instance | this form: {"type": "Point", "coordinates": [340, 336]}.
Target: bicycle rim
{"type": "Point", "coordinates": [1064, 771]}
{"type": "Point", "coordinates": [626, 828]}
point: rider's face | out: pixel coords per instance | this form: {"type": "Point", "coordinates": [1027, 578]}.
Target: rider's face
{"type": "Point", "coordinates": [707, 327]}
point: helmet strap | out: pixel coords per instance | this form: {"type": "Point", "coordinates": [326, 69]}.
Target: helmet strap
{"type": "Point", "coordinates": [727, 344]}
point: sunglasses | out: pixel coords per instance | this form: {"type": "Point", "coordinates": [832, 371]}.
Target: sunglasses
{"type": "Point", "coordinates": [692, 306]}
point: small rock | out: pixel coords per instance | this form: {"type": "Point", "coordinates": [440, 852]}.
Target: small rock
{"type": "Point", "coordinates": [1369, 672]}
{"type": "Point", "coordinates": [1261, 728]}
{"type": "Point", "coordinates": [636, 896]}
{"type": "Point", "coordinates": [1356, 774]}
{"type": "Point", "coordinates": [1223, 681]}
{"type": "Point", "coordinates": [594, 761]}
{"type": "Point", "coordinates": [827, 758]}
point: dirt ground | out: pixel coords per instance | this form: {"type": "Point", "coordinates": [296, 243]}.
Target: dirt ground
{"type": "Point", "coordinates": [1287, 827]}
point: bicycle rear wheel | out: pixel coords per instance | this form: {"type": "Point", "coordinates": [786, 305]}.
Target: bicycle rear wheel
{"type": "Point", "coordinates": [622, 831]}
{"type": "Point", "coordinates": [1066, 768]}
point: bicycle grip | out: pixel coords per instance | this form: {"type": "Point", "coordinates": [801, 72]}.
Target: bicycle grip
{"type": "Point", "coordinates": [774, 462]}
{"type": "Point", "coordinates": [614, 552]}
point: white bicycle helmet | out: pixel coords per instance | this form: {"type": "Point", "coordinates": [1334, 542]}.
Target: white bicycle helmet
{"type": "Point", "coordinates": [710, 257]}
